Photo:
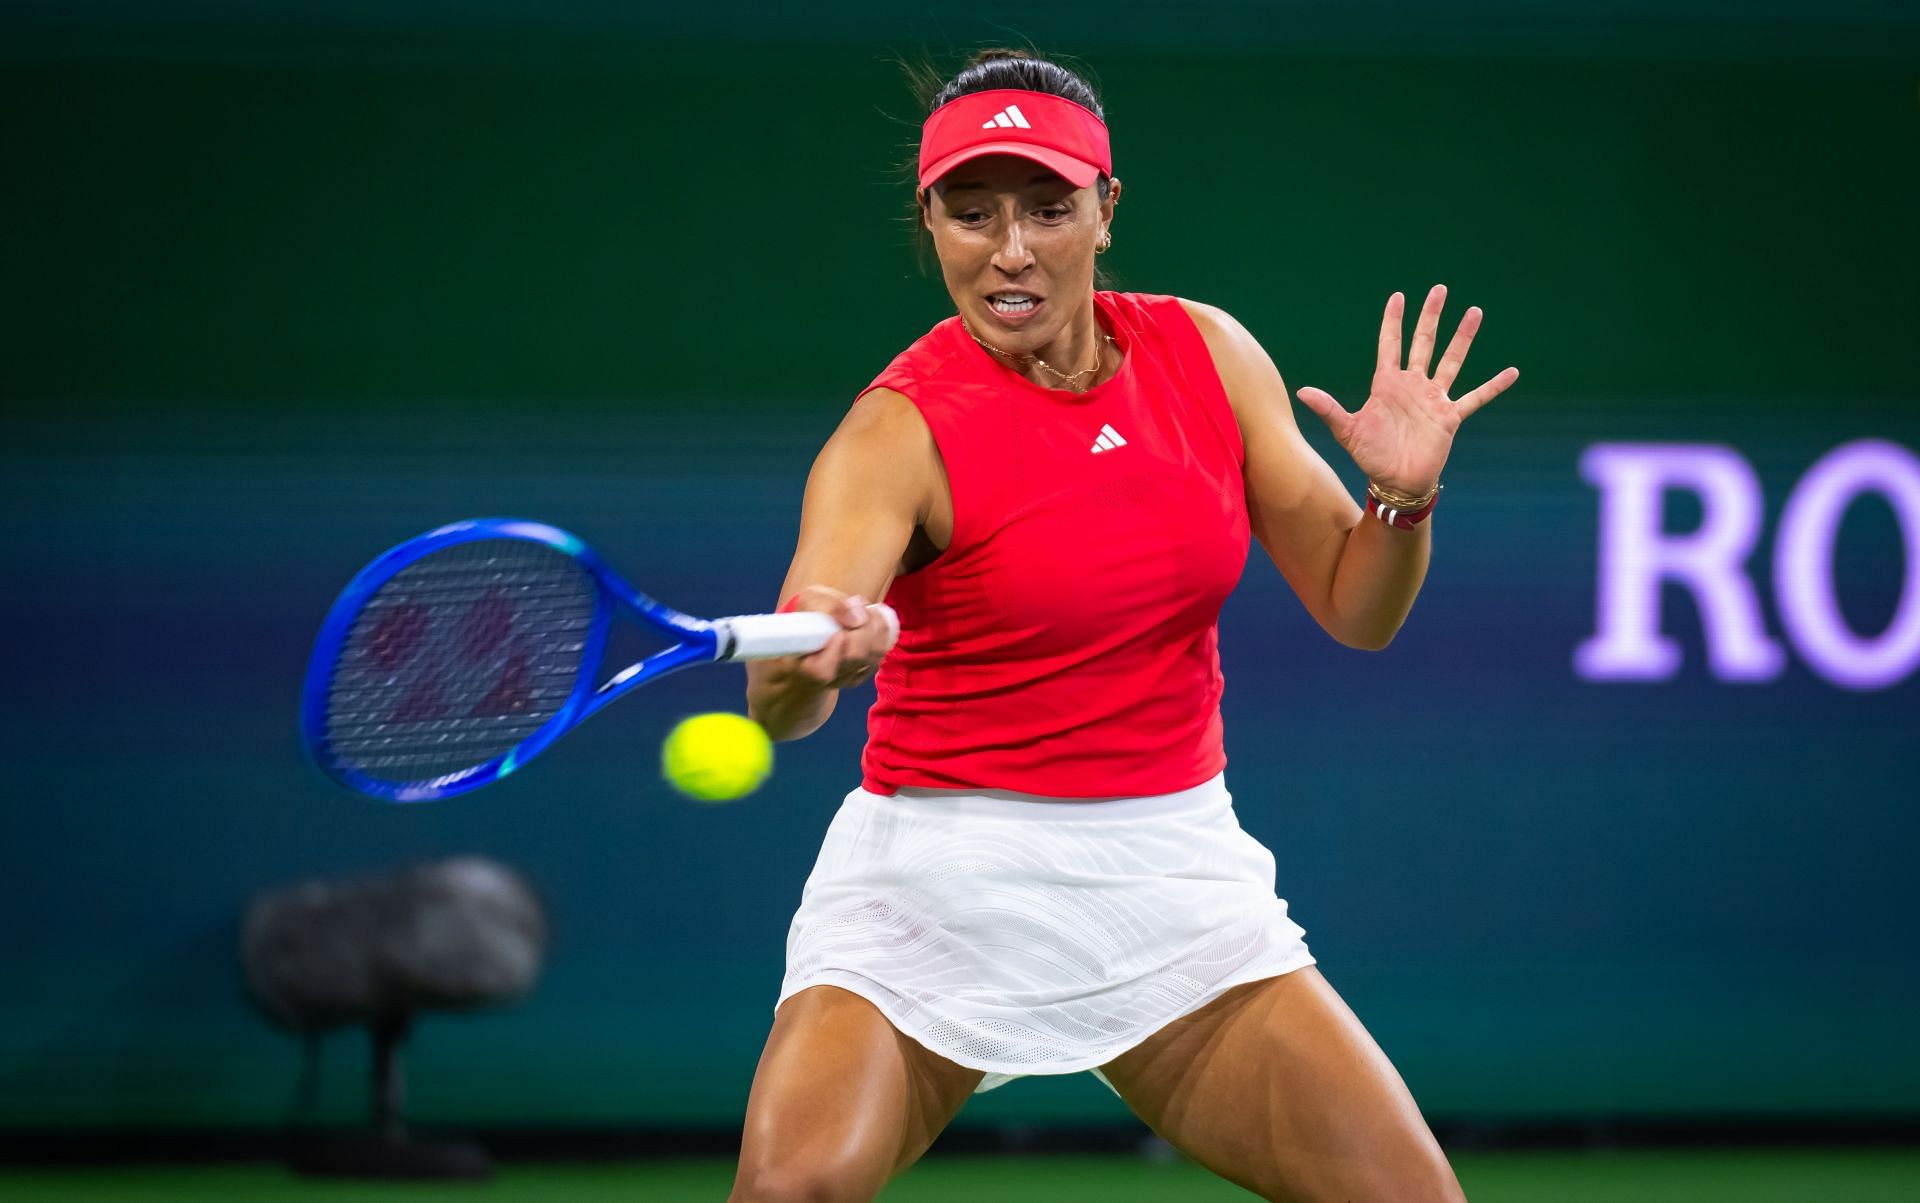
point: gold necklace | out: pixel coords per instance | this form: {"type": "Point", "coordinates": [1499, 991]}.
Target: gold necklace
{"type": "Point", "coordinates": [1036, 360]}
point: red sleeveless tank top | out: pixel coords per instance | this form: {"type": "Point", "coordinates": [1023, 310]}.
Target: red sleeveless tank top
{"type": "Point", "coordinates": [1064, 644]}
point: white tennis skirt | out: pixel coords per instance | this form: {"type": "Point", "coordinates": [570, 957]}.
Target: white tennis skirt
{"type": "Point", "coordinates": [1022, 935]}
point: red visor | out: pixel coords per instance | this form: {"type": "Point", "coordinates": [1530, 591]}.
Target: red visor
{"type": "Point", "coordinates": [1051, 130]}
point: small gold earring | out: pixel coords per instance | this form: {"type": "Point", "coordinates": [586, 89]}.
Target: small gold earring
{"type": "Point", "coordinates": [1106, 241]}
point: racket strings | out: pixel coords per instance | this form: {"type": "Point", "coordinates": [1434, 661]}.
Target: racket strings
{"type": "Point", "coordinates": [459, 657]}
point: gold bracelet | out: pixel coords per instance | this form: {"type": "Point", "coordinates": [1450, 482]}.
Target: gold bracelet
{"type": "Point", "coordinates": [1400, 501]}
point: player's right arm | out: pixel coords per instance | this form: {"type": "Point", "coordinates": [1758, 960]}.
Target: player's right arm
{"type": "Point", "coordinates": [871, 487]}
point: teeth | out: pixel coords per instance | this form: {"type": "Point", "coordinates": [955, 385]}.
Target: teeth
{"type": "Point", "coordinates": [1005, 304]}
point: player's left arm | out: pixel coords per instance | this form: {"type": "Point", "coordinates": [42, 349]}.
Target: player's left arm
{"type": "Point", "coordinates": [1357, 579]}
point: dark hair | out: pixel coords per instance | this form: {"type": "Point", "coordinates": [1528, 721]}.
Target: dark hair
{"type": "Point", "coordinates": [989, 69]}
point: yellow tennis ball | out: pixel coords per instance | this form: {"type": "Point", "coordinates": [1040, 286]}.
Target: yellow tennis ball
{"type": "Point", "coordinates": [716, 757]}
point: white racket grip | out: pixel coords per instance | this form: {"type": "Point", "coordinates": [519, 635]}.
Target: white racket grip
{"type": "Point", "coordinates": [764, 636]}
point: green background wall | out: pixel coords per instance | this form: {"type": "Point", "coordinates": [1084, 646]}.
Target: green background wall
{"type": "Point", "coordinates": [285, 285]}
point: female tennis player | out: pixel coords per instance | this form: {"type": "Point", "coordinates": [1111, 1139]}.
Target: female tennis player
{"type": "Point", "coordinates": [1041, 871]}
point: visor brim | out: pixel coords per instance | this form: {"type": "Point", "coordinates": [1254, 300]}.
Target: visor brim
{"type": "Point", "coordinates": [1075, 171]}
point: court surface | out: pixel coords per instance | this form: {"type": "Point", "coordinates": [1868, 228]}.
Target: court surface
{"type": "Point", "coordinates": [1814, 1176]}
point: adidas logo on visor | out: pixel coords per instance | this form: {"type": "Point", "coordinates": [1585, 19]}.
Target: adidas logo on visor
{"type": "Point", "coordinates": [1008, 118]}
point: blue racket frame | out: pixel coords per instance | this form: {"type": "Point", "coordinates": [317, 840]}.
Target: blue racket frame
{"type": "Point", "coordinates": [697, 642]}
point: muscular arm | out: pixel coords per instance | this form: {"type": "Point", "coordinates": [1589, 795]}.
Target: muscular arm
{"type": "Point", "coordinates": [871, 487]}
{"type": "Point", "coordinates": [1358, 579]}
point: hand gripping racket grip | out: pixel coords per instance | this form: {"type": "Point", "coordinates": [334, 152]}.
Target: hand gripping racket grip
{"type": "Point", "coordinates": [764, 636]}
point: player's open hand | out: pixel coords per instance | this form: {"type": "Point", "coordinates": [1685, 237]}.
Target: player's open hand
{"type": "Point", "coordinates": [1400, 438]}
{"type": "Point", "coordinates": [853, 655]}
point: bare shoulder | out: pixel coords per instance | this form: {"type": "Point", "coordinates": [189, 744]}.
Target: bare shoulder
{"type": "Point", "coordinates": [1220, 328]}
{"type": "Point", "coordinates": [1246, 371]}
{"type": "Point", "coordinates": [884, 448]}
{"type": "Point", "coordinates": [885, 415]}
{"type": "Point", "coordinates": [888, 407]}
{"type": "Point", "coordinates": [1210, 318]}
{"type": "Point", "coordinates": [881, 428]}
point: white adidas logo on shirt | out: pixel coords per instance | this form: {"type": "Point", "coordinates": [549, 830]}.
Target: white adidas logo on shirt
{"type": "Point", "coordinates": [1008, 118]}
{"type": "Point", "coordinates": [1109, 440]}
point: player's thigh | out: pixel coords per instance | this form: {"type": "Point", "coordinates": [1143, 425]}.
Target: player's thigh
{"type": "Point", "coordinates": [841, 1102]}
{"type": "Point", "coordinates": [1276, 1086]}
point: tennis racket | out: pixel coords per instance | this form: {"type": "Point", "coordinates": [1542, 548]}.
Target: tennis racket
{"type": "Point", "coordinates": [462, 654]}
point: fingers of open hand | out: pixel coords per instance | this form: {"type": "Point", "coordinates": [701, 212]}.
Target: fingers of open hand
{"type": "Point", "coordinates": [1456, 353]}
{"type": "Point", "coordinates": [1391, 380]}
{"type": "Point", "coordinates": [1487, 392]}
{"type": "Point", "coordinates": [1326, 409]}
{"type": "Point", "coordinates": [1426, 329]}
{"type": "Point", "coordinates": [1390, 324]}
